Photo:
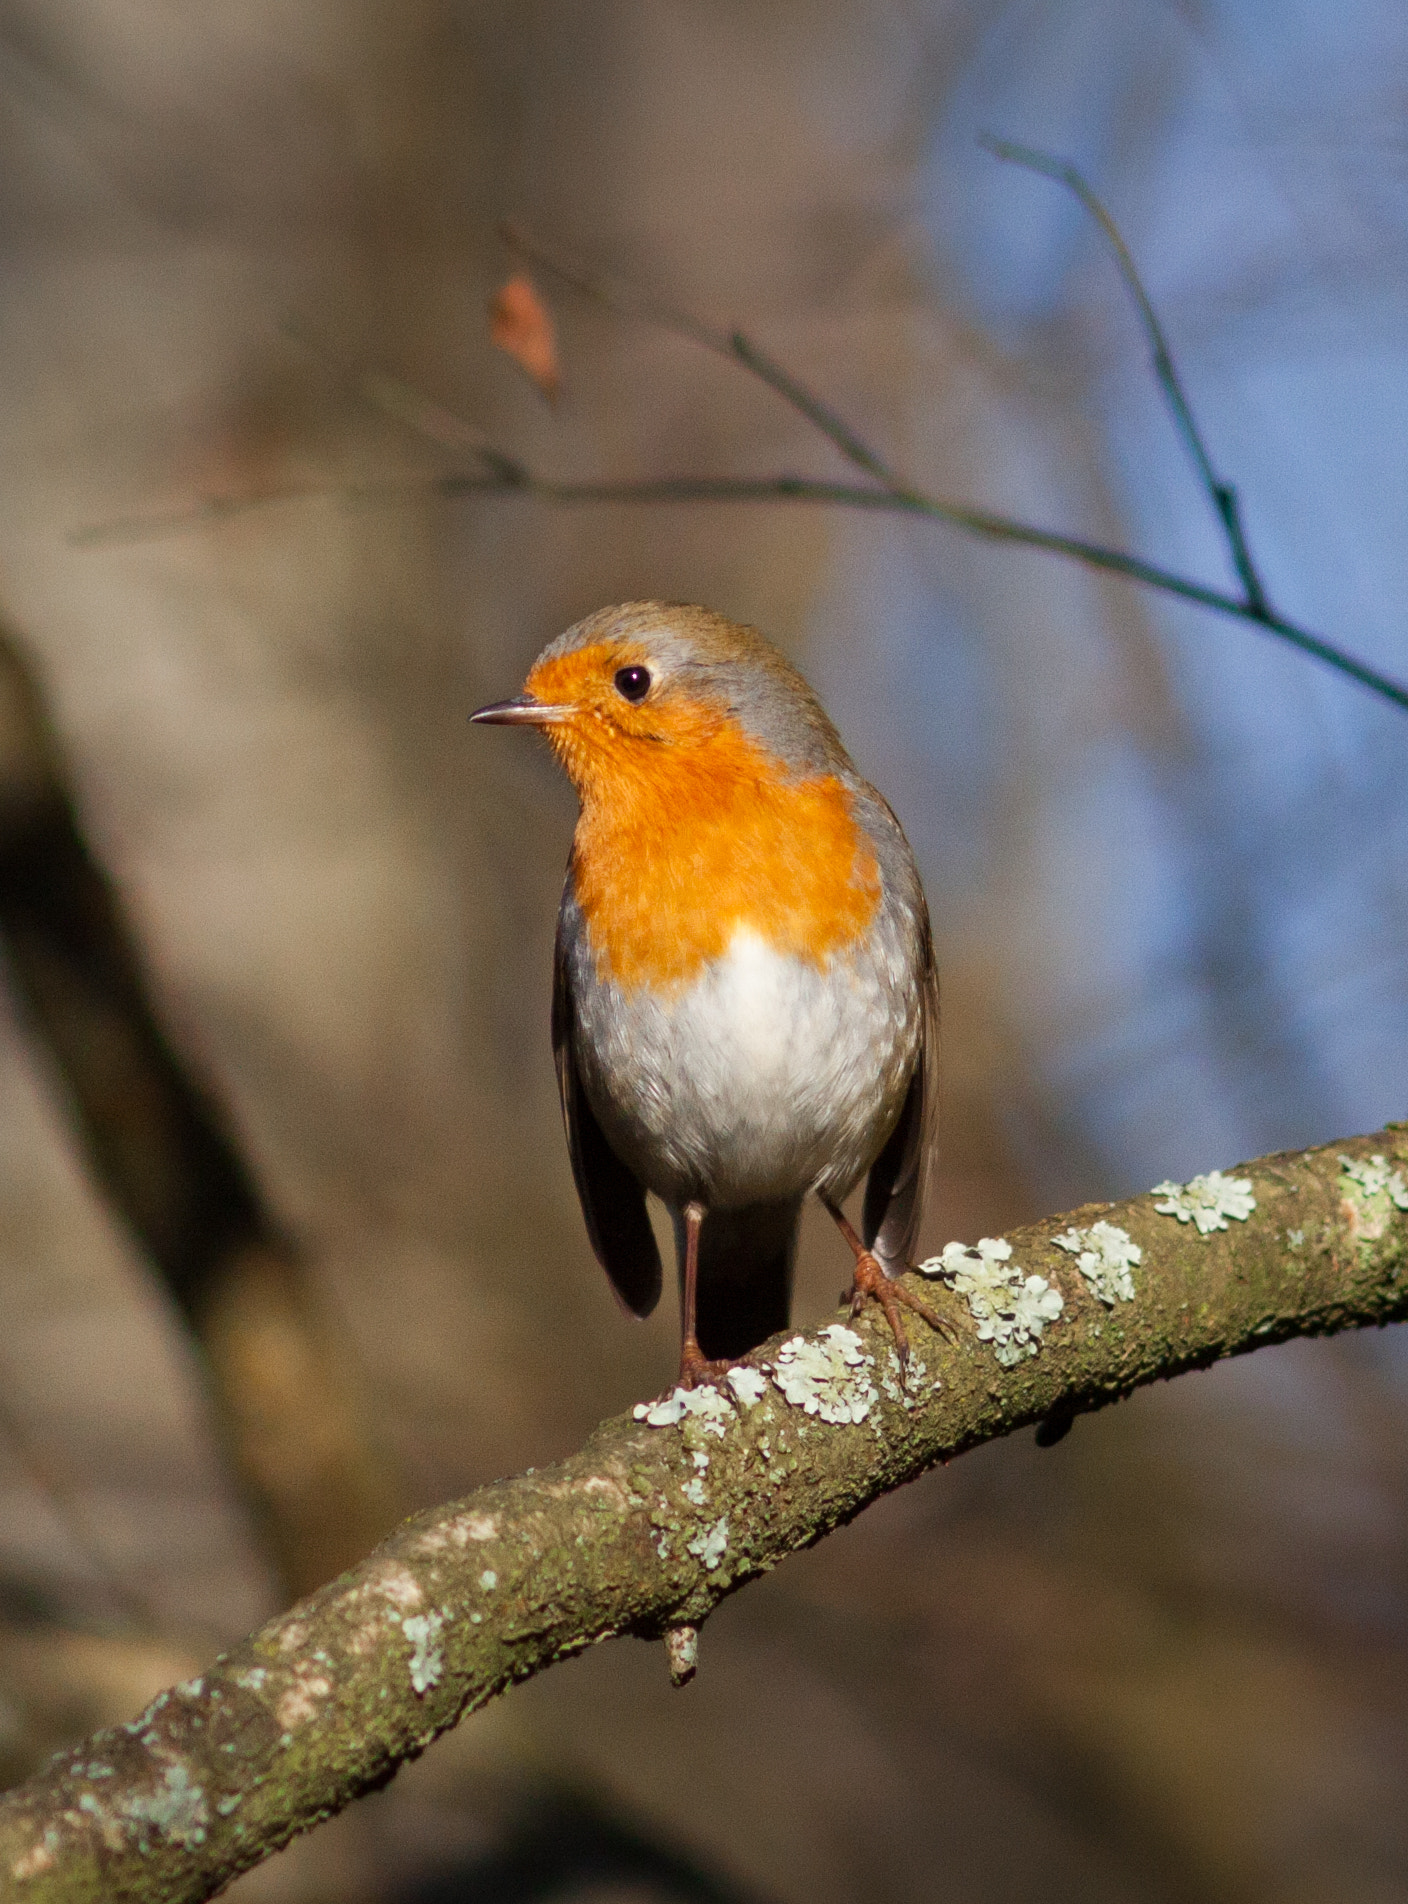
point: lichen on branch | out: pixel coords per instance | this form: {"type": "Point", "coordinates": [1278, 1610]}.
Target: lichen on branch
{"type": "Point", "coordinates": [668, 1510]}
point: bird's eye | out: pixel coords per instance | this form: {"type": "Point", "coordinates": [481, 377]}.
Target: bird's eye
{"type": "Point", "coordinates": [633, 684]}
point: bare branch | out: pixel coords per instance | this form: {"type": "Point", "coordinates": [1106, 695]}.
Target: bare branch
{"type": "Point", "coordinates": [732, 344]}
{"type": "Point", "coordinates": [399, 401]}
{"type": "Point", "coordinates": [502, 474]}
{"type": "Point", "coordinates": [626, 1537]}
{"type": "Point", "coordinates": [766, 489]}
{"type": "Point", "coordinates": [613, 293]}
{"type": "Point", "coordinates": [1222, 495]}
{"type": "Point", "coordinates": [1253, 606]}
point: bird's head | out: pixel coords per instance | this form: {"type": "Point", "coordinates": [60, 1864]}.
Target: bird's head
{"type": "Point", "coordinates": [642, 690]}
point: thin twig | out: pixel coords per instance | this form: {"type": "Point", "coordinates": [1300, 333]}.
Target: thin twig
{"type": "Point", "coordinates": [731, 344]}
{"type": "Point", "coordinates": [1222, 495]}
{"type": "Point", "coordinates": [406, 405]}
{"type": "Point", "coordinates": [1252, 606]}
{"type": "Point", "coordinates": [765, 489]}
{"type": "Point", "coordinates": [613, 293]}
{"type": "Point", "coordinates": [505, 475]}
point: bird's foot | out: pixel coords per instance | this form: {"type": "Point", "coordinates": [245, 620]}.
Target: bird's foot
{"type": "Point", "coordinates": [873, 1285]}
{"type": "Point", "coordinates": [696, 1371]}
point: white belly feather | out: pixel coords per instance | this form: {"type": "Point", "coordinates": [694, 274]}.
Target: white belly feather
{"type": "Point", "coordinates": [764, 1078]}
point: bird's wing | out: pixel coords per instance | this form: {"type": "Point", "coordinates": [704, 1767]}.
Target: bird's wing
{"type": "Point", "coordinates": [894, 1191]}
{"type": "Point", "coordinates": [613, 1201]}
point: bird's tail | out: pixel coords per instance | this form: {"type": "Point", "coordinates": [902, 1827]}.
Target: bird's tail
{"type": "Point", "coordinates": [744, 1291]}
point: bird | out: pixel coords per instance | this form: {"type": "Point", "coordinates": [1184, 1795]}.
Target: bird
{"type": "Point", "coordinates": [745, 1005]}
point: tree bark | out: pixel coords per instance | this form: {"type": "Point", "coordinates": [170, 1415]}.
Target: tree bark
{"type": "Point", "coordinates": [280, 1377]}
{"type": "Point", "coordinates": [650, 1526]}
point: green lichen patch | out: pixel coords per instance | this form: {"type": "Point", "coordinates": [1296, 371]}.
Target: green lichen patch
{"type": "Point", "coordinates": [176, 1809]}
{"type": "Point", "coordinates": [827, 1375]}
{"type": "Point", "coordinates": [1010, 1308]}
{"type": "Point", "coordinates": [1206, 1202]}
{"type": "Point", "coordinates": [1377, 1178]}
{"type": "Point", "coordinates": [1105, 1255]}
{"type": "Point", "coordinates": [704, 1404]}
{"type": "Point", "coordinates": [709, 1545]}
{"type": "Point", "coordinates": [749, 1385]}
{"type": "Point", "coordinates": [909, 1388]}
{"type": "Point", "coordinates": [1374, 1191]}
{"type": "Point", "coordinates": [423, 1630]}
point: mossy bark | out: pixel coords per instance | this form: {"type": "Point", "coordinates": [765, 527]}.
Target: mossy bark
{"type": "Point", "coordinates": [637, 1535]}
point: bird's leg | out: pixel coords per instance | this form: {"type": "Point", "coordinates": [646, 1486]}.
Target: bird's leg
{"type": "Point", "coordinates": [695, 1368]}
{"type": "Point", "coordinates": [873, 1285]}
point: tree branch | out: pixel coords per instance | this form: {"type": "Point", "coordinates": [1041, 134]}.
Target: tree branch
{"type": "Point", "coordinates": [160, 1148]}
{"type": "Point", "coordinates": [1222, 495]}
{"type": "Point", "coordinates": [649, 1527]}
{"type": "Point", "coordinates": [501, 474]}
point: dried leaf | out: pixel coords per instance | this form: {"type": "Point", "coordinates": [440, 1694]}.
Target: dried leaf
{"type": "Point", "coordinates": [519, 323]}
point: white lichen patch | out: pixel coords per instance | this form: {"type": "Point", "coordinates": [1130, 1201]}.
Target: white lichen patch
{"type": "Point", "coordinates": [144, 1719]}
{"type": "Point", "coordinates": [460, 1530]}
{"type": "Point", "coordinates": [1105, 1254]}
{"type": "Point", "coordinates": [1374, 1191]}
{"type": "Point", "coordinates": [398, 1585]}
{"type": "Point", "coordinates": [749, 1385]}
{"type": "Point", "coordinates": [693, 1491]}
{"type": "Point", "coordinates": [1010, 1308]}
{"type": "Point", "coordinates": [603, 1484]}
{"type": "Point", "coordinates": [302, 1700]}
{"type": "Point", "coordinates": [176, 1809]}
{"type": "Point", "coordinates": [709, 1545]}
{"type": "Point", "coordinates": [364, 1639]}
{"type": "Point", "coordinates": [907, 1387]}
{"type": "Point", "coordinates": [36, 1860]}
{"type": "Point", "coordinates": [1378, 1178]}
{"type": "Point", "coordinates": [828, 1376]}
{"type": "Point", "coordinates": [682, 1653]}
{"type": "Point", "coordinates": [1207, 1201]}
{"type": "Point", "coordinates": [423, 1630]}
{"type": "Point", "coordinates": [488, 1580]}
{"type": "Point", "coordinates": [704, 1404]}
{"type": "Point", "coordinates": [108, 1826]}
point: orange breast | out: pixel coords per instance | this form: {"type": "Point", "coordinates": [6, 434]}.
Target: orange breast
{"type": "Point", "coordinates": [677, 847]}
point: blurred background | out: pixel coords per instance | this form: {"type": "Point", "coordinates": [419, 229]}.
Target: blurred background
{"type": "Point", "coordinates": [285, 1211]}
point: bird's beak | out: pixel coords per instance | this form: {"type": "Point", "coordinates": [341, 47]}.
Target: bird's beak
{"type": "Point", "coordinates": [524, 710]}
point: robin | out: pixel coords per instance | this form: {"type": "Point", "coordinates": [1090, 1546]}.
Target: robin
{"type": "Point", "coordinates": [745, 1007]}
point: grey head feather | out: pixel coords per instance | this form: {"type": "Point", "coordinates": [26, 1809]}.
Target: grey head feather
{"type": "Point", "coordinates": [729, 664]}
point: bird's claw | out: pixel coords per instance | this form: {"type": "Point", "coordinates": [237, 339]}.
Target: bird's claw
{"type": "Point", "coordinates": [873, 1285]}
{"type": "Point", "coordinates": [696, 1371]}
